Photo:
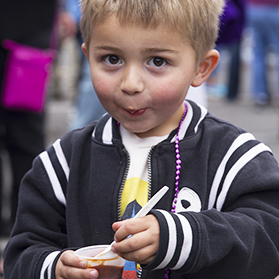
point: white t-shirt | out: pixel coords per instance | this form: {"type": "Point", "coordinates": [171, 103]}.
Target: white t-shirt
{"type": "Point", "coordinates": [135, 191]}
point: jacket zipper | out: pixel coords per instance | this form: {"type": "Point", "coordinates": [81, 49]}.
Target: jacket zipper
{"type": "Point", "coordinates": [149, 171]}
{"type": "Point", "coordinates": [123, 183]}
{"type": "Point", "coordinates": [149, 188]}
{"type": "Point", "coordinates": [126, 173]}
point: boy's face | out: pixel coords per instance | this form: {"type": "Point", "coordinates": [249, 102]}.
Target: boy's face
{"type": "Point", "coordinates": [141, 76]}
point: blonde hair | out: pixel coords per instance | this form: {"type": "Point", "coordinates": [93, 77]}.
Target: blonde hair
{"type": "Point", "coordinates": [197, 20]}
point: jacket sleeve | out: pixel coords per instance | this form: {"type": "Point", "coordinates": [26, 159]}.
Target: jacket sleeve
{"type": "Point", "coordinates": [39, 233]}
{"type": "Point", "coordinates": [241, 239]}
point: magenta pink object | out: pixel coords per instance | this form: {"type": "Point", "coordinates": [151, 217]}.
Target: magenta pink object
{"type": "Point", "coordinates": [26, 76]}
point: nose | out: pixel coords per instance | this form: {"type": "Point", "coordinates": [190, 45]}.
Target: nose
{"type": "Point", "coordinates": [132, 80]}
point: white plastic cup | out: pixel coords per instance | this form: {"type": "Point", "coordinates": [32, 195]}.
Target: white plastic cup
{"type": "Point", "coordinates": [109, 267]}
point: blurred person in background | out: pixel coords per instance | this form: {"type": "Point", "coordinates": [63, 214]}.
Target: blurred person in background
{"type": "Point", "coordinates": [263, 19]}
{"type": "Point", "coordinates": [28, 22]}
{"type": "Point", "coordinates": [233, 22]}
{"type": "Point", "coordinates": [230, 37]}
{"type": "Point", "coordinates": [87, 105]}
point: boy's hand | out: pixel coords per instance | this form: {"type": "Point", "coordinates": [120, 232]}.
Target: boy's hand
{"type": "Point", "coordinates": [143, 245]}
{"type": "Point", "coordinates": [69, 266]}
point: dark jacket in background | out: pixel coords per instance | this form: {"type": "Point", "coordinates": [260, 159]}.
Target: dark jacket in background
{"type": "Point", "coordinates": [27, 22]}
{"type": "Point", "coordinates": [232, 22]}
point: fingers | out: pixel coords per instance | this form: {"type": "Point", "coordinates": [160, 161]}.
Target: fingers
{"type": "Point", "coordinates": [137, 239]}
{"type": "Point", "coordinates": [144, 255]}
{"type": "Point", "coordinates": [69, 266]}
{"type": "Point", "coordinates": [132, 226]}
{"type": "Point", "coordinates": [68, 258]}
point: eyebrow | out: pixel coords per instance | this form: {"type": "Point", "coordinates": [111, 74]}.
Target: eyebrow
{"type": "Point", "coordinates": [148, 50]}
{"type": "Point", "coordinates": [105, 48]}
{"type": "Point", "coordinates": [155, 49]}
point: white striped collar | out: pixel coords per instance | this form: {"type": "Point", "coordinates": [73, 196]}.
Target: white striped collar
{"type": "Point", "coordinates": [188, 120]}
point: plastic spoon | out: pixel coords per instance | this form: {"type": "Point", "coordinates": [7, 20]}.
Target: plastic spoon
{"type": "Point", "coordinates": [148, 206]}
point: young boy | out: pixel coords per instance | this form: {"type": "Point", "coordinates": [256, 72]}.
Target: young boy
{"type": "Point", "coordinates": [220, 217]}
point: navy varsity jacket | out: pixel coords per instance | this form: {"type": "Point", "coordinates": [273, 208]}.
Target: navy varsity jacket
{"type": "Point", "coordinates": [227, 219]}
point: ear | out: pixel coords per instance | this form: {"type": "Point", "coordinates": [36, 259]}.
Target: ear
{"type": "Point", "coordinates": [206, 67]}
{"type": "Point", "coordinates": [83, 47]}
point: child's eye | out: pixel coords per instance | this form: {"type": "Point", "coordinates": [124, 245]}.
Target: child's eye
{"type": "Point", "coordinates": [112, 59]}
{"type": "Point", "coordinates": [157, 62]}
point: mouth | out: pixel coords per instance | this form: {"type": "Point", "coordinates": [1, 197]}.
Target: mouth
{"type": "Point", "coordinates": [135, 111]}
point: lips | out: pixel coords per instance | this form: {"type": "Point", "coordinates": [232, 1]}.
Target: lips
{"type": "Point", "coordinates": [135, 111]}
{"type": "Point", "coordinates": [132, 111]}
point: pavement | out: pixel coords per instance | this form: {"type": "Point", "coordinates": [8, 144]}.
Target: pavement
{"type": "Point", "coordinates": [262, 122]}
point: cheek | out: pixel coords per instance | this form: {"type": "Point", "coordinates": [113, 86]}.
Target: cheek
{"type": "Point", "coordinates": [173, 91]}
{"type": "Point", "coordinates": [102, 86]}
